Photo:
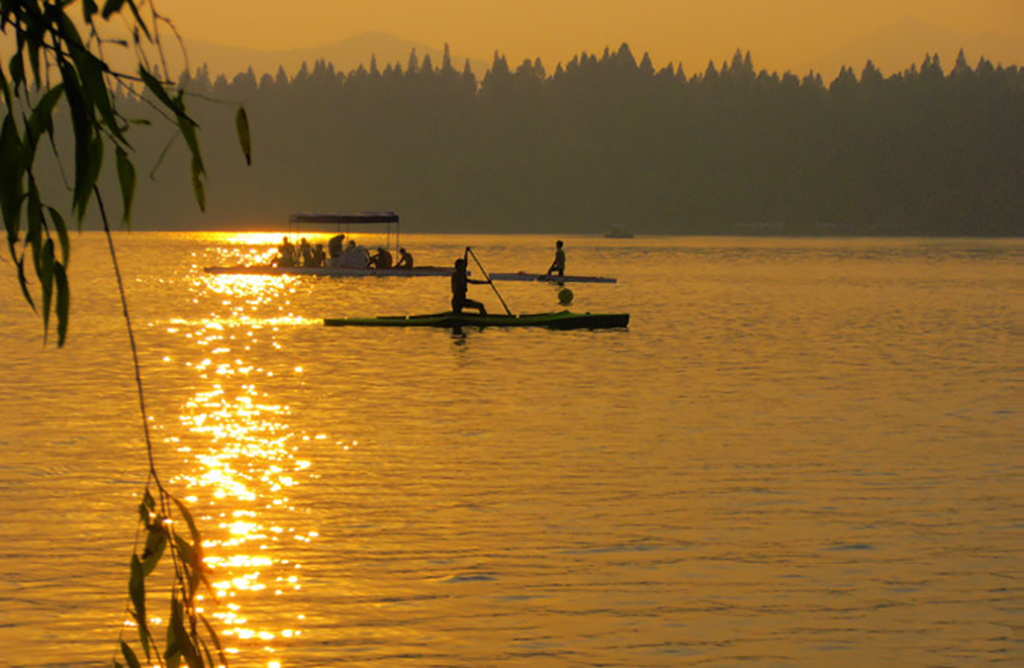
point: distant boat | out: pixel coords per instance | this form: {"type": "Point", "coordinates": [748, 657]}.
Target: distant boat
{"type": "Point", "coordinates": [618, 232]}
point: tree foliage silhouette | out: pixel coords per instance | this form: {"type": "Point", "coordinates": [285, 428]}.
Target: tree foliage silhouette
{"type": "Point", "coordinates": [609, 139]}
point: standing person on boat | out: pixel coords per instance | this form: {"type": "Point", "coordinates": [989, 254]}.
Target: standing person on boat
{"type": "Point", "coordinates": [460, 285]}
{"type": "Point", "coordinates": [319, 258]}
{"type": "Point", "coordinates": [305, 252]}
{"type": "Point", "coordinates": [404, 259]}
{"type": "Point", "coordinates": [287, 253]}
{"type": "Point", "coordinates": [335, 248]}
{"type": "Point", "coordinates": [558, 266]}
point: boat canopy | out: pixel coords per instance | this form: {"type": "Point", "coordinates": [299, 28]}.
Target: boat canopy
{"type": "Point", "coordinates": [388, 218]}
{"type": "Point", "coordinates": [362, 217]}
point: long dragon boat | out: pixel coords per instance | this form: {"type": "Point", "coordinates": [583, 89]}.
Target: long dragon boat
{"type": "Point", "coordinates": [450, 320]}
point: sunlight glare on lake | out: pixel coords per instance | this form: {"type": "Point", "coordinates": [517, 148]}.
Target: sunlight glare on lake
{"type": "Point", "coordinates": [244, 468]}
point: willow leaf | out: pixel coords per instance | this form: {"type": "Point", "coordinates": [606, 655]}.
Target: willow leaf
{"type": "Point", "coordinates": [179, 642]}
{"type": "Point", "coordinates": [17, 69]}
{"type": "Point", "coordinates": [197, 538]}
{"type": "Point", "coordinates": [62, 234]}
{"type": "Point", "coordinates": [137, 592]}
{"type": "Point", "coordinates": [129, 656]}
{"type": "Point", "coordinates": [112, 7]}
{"type": "Point", "coordinates": [82, 127]}
{"type": "Point", "coordinates": [45, 273]}
{"type": "Point", "coordinates": [34, 47]}
{"type": "Point", "coordinates": [156, 541]}
{"type": "Point", "coordinates": [69, 33]}
{"type": "Point", "coordinates": [244, 138]}
{"type": "Point", "coordinates": [185, 551]}
{"type": "Point", "coordinates": [5, 88]}
{"type": "Point", "coordinates": [172, 652]}
{"type": "Point", "coordinates": [23, 282]}
{"type": "Point", "coordinates": [90, 71]}
{"type": "Point", "coordinates": [215, 638]}
{"type": "Point", "coordinates": [191, 558]}
{"type": "Point", "coordinates": [60, 275]}
{"type": "Point", "coordinates": [89, 8]}
{"type": "Point", "coordinates": [188, 129]}
{"type": "Point", "coordinates": [34, 217]}
{"type": "Point", "coordinates": [206, 652]}
{"type": "Point", "coordinates": [139, 23]}
{"type": "Point", "coordinates": [95, 164]}
{"type": "Point", "coordinates": [12, 185]}
{"type": "Point", "coordinates": [157, 89]}
{"type": "Point", "coordinates": [42, 115]}
{"type": "Point", "coordinates": [198, 188]}
{"type": "Point", "coordinates": [126, 176]}
{"type": "Point", "coordinates": [149, 501]}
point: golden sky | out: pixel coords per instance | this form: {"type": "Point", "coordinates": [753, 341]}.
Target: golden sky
{"type": "Point", "coordinates": [781, 34]}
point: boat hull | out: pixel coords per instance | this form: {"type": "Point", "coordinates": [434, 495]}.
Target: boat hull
{"type": "Point", "coordinates": [449, 320]}
{"type": "Point", "coordinates": [330, 271]}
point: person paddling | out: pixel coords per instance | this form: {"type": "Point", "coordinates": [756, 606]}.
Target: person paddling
{"type": "Point", "coordinates": [460, 286]}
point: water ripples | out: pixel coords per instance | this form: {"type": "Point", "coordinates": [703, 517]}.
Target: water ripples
{"type": "Point", "coordinates": [802, 452]}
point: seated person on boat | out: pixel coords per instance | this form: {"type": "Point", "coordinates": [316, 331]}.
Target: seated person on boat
{"type": "Point", "coordinates": [381, 259]}
{"type": "Point", "coordinates": [319, 258]}
{"type": "Point", "coordinates": [404, 259]}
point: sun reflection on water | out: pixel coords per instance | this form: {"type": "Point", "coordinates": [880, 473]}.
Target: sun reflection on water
{"type": "Point", "coordinates": [245, 461]}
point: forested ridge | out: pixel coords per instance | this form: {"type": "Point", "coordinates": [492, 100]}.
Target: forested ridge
{"type": "Point", "coordinates": [608, 141]}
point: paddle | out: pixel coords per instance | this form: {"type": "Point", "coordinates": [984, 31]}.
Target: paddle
{"type": "Point", "coordinates": [469, 251]}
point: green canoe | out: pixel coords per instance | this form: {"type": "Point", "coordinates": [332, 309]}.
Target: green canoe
{"type": "Point", "coordinates": [449, 320]}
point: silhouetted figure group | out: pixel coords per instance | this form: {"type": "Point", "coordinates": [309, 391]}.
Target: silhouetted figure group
{"type": "Point", "coordinates": [338, 254]}
{"type": "Point", "coordinates": [305, 255]}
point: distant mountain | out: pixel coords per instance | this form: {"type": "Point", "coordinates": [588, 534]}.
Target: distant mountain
{"type": "Point", "coordinates": [895, 48]}
{"type": "Point", "coordinates": [345, 55]}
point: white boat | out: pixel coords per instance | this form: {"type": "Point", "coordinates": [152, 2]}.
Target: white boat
{"type": "Point", "coordinates": [329, 271]}
{"type": "Point", "coordinates": [550, 278]}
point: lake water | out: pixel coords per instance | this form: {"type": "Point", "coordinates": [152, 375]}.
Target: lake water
{"type": "Point", "coordinates": [800, 453]}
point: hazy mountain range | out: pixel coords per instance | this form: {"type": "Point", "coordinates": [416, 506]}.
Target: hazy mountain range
{"type": "Point", "coordinates": [892, 49]}
{"type": "Point", "coordinates": [346, 55]}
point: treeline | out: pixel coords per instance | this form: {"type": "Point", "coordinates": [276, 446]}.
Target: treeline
{"type": "Point", "coordinates": [609, 141]}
